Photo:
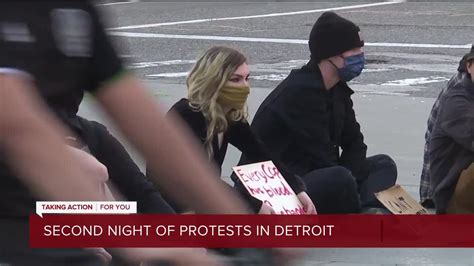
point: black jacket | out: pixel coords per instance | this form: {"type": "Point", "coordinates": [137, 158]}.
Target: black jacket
{"type": "Point", "coordinates": [123, 172]}
{"type": "Point", "coordinates": [305, 125]}
{"type": "Point", "coordinates": [451, 145]}
{"type": "Point", "coordinates": [16, 200]}
{"type": "Point", "coordinates": [239, 135]}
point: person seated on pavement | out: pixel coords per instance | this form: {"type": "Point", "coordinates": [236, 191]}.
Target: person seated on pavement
{"type": "Point", "coordinates": [215, 111]}
{"type": "Point", "coordinates": [125, 177]}
{"type": "Point", "coordinates": [426, 192]}
{"type": "Point", "coordinates": [308, 119]}
{"type": "Point", "coordinates": [451, 146]}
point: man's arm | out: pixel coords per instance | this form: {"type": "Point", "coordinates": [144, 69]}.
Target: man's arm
{"type": "Point", "coordinates": [124, 173]}
{"type": "Point", "coordinates": [169, 148]}
{"type": "Point", "coordinates": [456, 118]}
{"type": "Point", "coordinates": [32, 144]}
{"type": "Point", "coordinates": [308, 123]}
{"type": "Point", "coordinates": [241, 136]}
{"type": "Point", "coordinates": [354, 150]}
{"type": "Point", "coordinates": [30, 140]}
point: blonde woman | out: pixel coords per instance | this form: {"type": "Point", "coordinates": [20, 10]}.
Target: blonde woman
{"type": "Point", "coordinates": [215, 110]}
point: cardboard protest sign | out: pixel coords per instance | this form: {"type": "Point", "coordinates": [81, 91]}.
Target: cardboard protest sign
{"type": "Point", "coordinates": [398, 201]}
{"type": "Point", "coordinates": [264, 182]}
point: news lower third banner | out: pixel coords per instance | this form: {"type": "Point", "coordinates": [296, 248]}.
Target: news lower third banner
{"type": "Point", "coordinates": [232, 231]}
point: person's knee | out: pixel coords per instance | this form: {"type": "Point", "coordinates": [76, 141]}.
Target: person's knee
{"type": "Point", "coordinates": [384, 161]}
{"type": "Point", "coordinates": [345, 185]}
{"type": "Point", "coordinates": [334, 180]}
{"type": "Point", "coordinates": [342, 176]}
{"type": "Point", "coordinates": [335, 190]}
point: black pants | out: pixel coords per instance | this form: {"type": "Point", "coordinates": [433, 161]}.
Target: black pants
{"type": "Point", "coordinates": [335, 190]}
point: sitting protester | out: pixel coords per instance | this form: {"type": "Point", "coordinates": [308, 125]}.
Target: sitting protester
{"type": "Point", "coordinates": [95, 170]}
{"type": "Point", "coordinates": [216, 112]}
{"type": "Point", "coordinates": [451, 146]}
{"type": "Point", "coordinates": [309, 122]}
{"type": "Point", "coordinates": [426, 193]}
{"type": "Point", "coordinates": [122, 172]}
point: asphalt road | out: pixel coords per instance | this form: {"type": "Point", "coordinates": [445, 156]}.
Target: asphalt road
{"type": "Point", "coordinates": [439, 33]}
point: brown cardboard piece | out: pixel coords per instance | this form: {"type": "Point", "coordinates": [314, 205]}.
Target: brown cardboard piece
{"type": "Point", "coordinates": [398, 201]}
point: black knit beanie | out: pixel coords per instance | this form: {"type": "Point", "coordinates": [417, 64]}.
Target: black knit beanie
{"type": "Point", "coordinates": [332, 35]}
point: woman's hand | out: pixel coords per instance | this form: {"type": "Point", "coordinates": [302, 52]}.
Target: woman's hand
{"type": "Point", "coordinates": [307, 203]}
{"type": "Point", "coordinates": [266, 209]}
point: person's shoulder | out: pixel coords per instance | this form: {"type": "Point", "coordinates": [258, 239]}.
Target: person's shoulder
{"type": "Point", "coordinates": [302, 83]}
{"type": "Point", "coordinates": [243, 123]}
{"type": "Point", "coordinates": [304, 78]}
{"type": "Point", "coordinates": [345, 89]}
{"type": "Point", "coordinates": [91, 124]}
{"type": "Point", "coordinates": [461, 88]}
{"type": "Point", "coordinates": [184, 108]}
{"type": "Point", "coordinates": [457, 100]}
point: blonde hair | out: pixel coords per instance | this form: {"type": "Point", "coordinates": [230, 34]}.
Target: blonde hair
{"type": "Point", "coordinates": [207, 77]}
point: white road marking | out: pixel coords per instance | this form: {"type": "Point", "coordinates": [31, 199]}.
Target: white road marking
{"type": "Point", "coordinates": [124, 56]}
{"type": "Point", "coordinates": [415, 81]}
{"type": "Point", "coordinates": [275, 40]}
{"type": "Point", "coordinates": [270, 77]}
{"type": "Point", "coordinates": [118, 3]}
{"type": "Point", "coordinates": [169, 75]}
{"type": "Point", "coordinates": [256, 16]}
{"type": "Point", "coordinates": [160, 63]}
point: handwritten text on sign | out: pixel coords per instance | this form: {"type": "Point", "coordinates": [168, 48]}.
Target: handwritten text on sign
{"type": "Point", "coordinates": [264, 182]}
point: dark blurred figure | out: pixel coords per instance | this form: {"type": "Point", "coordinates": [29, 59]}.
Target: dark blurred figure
{"type": "Point", "coordinates": [62, 48]}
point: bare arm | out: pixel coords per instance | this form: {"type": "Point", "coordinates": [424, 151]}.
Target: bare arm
{"type": "Point", "coordinates": [171, 152]}
{"type": "Point", "coordinates": [32, 142]}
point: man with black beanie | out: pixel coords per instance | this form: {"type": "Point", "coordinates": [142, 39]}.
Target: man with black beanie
{"type": "Point", "coordinates": [309, 118]}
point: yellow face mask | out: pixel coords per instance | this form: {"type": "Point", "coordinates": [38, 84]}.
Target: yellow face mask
{"type": "Point", "coordinates": [234, 97]}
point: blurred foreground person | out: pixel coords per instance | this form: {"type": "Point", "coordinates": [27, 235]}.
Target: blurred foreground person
{"type": "Point", "coordinates": [63, 49]}
{"type": "Point", "coordinates": [31, 144]}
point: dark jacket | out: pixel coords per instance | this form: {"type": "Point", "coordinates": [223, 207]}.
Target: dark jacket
{"type": "Point", "coordinates": [305, 125]}
{"type": "Point", "coordinates": [239, 135]}
{"type": "Point", "coordinates": [426, 192]}
{"type": "Point", "coordinates": [123, 172]}
{"type": "Point", "coordinates": [451, 145]}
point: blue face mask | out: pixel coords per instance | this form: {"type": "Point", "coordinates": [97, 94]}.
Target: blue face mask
{"type": "Point", "coordinates": [353, 66]}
